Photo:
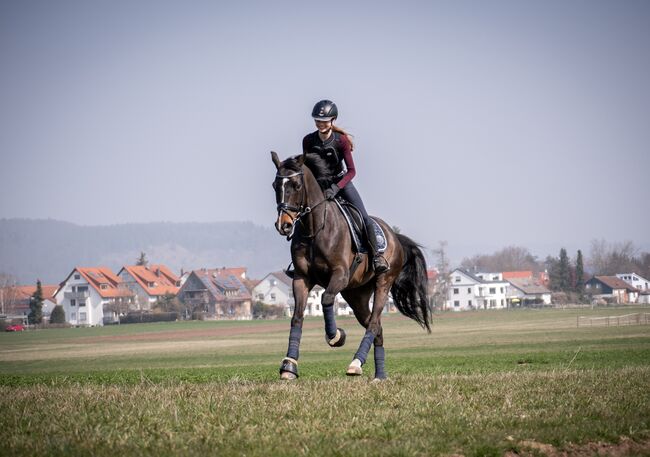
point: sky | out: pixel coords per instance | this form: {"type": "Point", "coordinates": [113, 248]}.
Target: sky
{"type": "Point", "coordinates": [485, 124]}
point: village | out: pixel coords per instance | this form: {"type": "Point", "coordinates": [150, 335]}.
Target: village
{"type": "Point", "coordinates": [97, 296]}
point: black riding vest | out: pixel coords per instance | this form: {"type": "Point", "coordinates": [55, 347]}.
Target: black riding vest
{"type": "Point", "coordinates": [328, 150]}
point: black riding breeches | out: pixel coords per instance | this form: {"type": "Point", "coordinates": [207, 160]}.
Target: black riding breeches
{"type": "Point", "coordinates": [349, 193]}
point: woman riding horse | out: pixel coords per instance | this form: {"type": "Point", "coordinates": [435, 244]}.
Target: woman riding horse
{"type": "Point", "coordinates": [321, 250]}
{"type": "Point", "coordinates": [335, 146]}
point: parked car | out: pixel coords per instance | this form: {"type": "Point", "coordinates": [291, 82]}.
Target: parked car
{"type": "Point", "coordinates": [15, 328]}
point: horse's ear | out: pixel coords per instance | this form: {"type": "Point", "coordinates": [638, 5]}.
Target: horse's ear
{"type": "Point", "coordinates": [275, 159]}
{"type": "Point", "coordinates": [301, 160]}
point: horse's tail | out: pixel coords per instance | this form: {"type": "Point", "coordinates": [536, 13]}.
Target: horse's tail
{"type": "Point", "coordinates": [410, 289]}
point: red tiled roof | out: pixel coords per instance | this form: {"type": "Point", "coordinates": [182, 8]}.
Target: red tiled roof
{"type": "Point", "coordinates": [25, 292]}
{"type": "Point", "coordinates": [156, 280]}
{"type": "Point", "coordinates": [104, 281]}
{"type": "Point", "coordinates": [432, 275]}
{"type": "Point", "coordinates": [517, 274]}
{"type": "Point", "coordinates": [615, 283]}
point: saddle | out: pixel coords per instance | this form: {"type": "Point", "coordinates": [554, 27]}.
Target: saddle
{"type": "Point", "coordinates": [357, 228]}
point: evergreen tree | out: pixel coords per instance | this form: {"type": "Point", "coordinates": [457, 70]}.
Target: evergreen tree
{"type": "Point", "coordinates": [564, 273]}
{"type": "Point", "coordinates": [58, 315]}
{"type": "Point", "coordinates": [142, 260]}
{"type": "Point", "coordinates": [36, 305]}
{"type": "Point", "coordinates": [580, 272]}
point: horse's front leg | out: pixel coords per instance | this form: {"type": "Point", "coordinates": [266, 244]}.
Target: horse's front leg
{"type": "Point", "coordinates": [289, 366]}
{"type": "Point", "coordinates": [374, 334]}
{"type": "Point", "coordinates": [334, 336]}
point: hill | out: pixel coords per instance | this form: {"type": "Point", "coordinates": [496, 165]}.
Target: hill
{"type": "Point", "coordinates": [50, 249]}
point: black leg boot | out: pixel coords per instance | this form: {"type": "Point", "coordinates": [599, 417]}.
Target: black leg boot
{"type": "Point", "coordinates": [379, 263]}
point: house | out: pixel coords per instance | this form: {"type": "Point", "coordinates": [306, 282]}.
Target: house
{"type": "Point", "coordinates": [635, 280]}
{"type": "Point", "coordinates": [476, 291]}
{"type": "Point", "coordinates": [612, 288]}
{"type": "Point", "coordinates": [525, 291]}
{"type": "Point", "coordinates": [149, 283]}
{"type": "Point", "coordinates": [276, 288]}
{"type": "Point", "coordinates": [217, 293]}
{"type": "Point", "coordinates": [16, 301]}
{"type": "Point", "coordinates": [93, 296]}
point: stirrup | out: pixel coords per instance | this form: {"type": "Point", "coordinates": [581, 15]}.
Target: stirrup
{"type": "Point", "coordinates": [290, 272]}
{"type": "Point", "coordinates": [380, 264]}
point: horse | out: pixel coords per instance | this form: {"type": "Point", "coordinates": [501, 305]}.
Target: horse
{"type": "Point", "coordinates": [322, 254]}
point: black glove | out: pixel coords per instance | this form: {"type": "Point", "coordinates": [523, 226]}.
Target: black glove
{"type": "Point", "coordinates": [332, 191]}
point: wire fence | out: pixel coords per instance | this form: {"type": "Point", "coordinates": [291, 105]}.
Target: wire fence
{"type": "Point", "coordinates": [613, 321]}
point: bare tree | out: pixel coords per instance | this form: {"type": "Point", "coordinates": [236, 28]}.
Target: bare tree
{"type": "Point", "coordinates": [510, 258]}
{"type": "Point", "coordinates": [442, 281]}
{"type": "Point", "coordinates": [612, 258]}
{"type": "Point", "coordinates": [8, 292]}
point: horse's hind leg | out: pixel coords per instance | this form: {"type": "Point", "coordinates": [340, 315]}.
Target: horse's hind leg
{"type": "Point", "coordinates": [359, 300]}
{"type": "Point", "coordinates": [374, 334]}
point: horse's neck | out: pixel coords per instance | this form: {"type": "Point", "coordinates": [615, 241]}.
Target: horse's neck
{"type": "Point", "coordinates": [312, 188]}
{"type": "Point", "coordinates": [315, 200]}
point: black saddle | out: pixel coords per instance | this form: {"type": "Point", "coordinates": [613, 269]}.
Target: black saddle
{"type": "Point", "coordinates": [358, 228]}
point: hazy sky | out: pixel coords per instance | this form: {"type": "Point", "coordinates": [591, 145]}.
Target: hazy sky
{"type": "Point", "coordinates": [480, 123]}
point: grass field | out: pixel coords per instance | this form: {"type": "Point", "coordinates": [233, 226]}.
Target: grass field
{"type": "Point", "coordinates": [522, 382]}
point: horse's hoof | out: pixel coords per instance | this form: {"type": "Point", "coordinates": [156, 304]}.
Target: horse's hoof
{"type": "Point", "coordinates": [354, 369]}
{"type": "Point", "coordinates": [289, 368]}
{"type": "Point", "coordinates": [286, 376]}
{"type": "Point", "coordinates": [338, 340]}
{"type": "Point", "coordinates": [378, 380]}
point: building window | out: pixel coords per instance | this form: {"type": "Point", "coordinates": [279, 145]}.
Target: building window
{"type": "Point", "coordinates": [493, 303]}
{"type": "Point", "coordinates": [73, 316]}
{"type": "Point", "coordinates": [82, 317]}
{"type": "Point", "coordinates": [272, 296]}
{"type": "Point", "coordinates": [457, 279]}
{"type": "Point", "coordinates": [469, 303]}
{"type": "Point", "coordinates": [502, 302]}
{"type": "Point", "coordinates": [77, 276]}
{"type": "Point", "coordinates": [455, 291]}
{"type": "Point", "coordinates": [260, 296]}
{"type": "Point", "coordinates": [502, 290]}
{"type": "Point", "coordinates": [456, 303]}
{"type": "Point", "coordinates": [104, 286]}
{"type": "Point", "coordinates": [469, 290]}
{"type": "Point", "coordinates": [493, 290]}
{"type": "Point", "coordinates": [73, 302]}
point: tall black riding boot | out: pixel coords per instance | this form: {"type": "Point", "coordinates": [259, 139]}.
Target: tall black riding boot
{"type": "Point", "coordinates": [379, 263]}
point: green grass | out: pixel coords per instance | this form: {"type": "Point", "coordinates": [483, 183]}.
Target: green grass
{"type": "Point", "coordinates": [483, 383]}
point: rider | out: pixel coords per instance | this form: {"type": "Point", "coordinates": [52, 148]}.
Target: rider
{"type": "Point", "coordinates": [335, 145]}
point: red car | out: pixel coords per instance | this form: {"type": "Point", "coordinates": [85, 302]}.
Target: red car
{"type": "Point", "coordinates": [15, 328]}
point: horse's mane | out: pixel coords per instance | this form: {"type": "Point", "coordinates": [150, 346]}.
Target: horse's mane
{"type": "Point", "coordinates": [317, 165]}
{"type": "Point", "coordinates": [321, 170]}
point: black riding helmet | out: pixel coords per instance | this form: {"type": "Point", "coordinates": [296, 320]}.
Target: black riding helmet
{"type": "Point", "coordinates": [325, 110]}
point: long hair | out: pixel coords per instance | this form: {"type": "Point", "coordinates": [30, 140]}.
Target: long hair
{"type": "Point", "coordinates": [349, 136]}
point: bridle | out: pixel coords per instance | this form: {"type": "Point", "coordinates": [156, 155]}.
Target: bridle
{"type": "Point", "coordinates": [301, 210]}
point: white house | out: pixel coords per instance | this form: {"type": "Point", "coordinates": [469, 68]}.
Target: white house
{"type": "Point", "coordinates": [91, 295]}
{"type": "Point", "coordinates": [636, 281]}
{"type": "Point", "coordinates": [476, 291]}
{"type": "Point", "coordinates": [277, 289]}
{"type": "Point", "coordinates": [149, 283]}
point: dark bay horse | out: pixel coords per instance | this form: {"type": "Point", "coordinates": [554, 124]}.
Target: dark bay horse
{"type": "Point", "coordinates": [321, 251]}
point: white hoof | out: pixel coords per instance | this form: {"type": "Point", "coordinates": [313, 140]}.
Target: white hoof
{"type": "Point", "coordinates": [354, 369]}
{"type": "Point", "coordinates": [286, 376]}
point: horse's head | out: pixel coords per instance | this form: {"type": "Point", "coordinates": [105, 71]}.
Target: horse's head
{"type": "Point", "coordinates": [289, 192]}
